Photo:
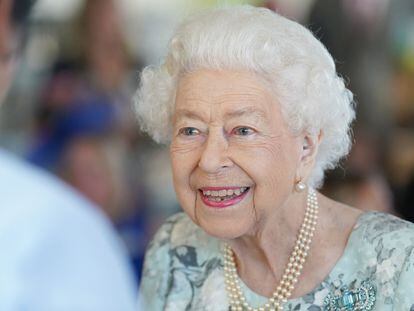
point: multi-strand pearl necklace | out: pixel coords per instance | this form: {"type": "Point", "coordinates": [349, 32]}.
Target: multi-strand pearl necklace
{"type": "Point", "coordinates": [292, 271]}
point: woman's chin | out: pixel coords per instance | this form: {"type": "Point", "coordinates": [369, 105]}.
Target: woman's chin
{"type": "Point", "coordinates": [224, 221]}
{"type": "Point", "coordinates": [225, 229]}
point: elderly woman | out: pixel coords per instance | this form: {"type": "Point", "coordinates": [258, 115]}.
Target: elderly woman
{"type": "Point", "coordinates": [254, 113]}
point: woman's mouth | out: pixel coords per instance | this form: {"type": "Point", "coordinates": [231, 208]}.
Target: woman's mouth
{"type": "Point", "coordinates": [220, 197]}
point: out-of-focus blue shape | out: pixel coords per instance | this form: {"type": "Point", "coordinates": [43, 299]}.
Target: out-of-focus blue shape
{"type": "Point", "coordinates": [57, 252]}
{"type": "Point", "coordinates": [93, 115]}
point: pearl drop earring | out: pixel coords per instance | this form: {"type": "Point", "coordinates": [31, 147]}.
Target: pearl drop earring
{"type": "Point", "coordinates": [300, 186]}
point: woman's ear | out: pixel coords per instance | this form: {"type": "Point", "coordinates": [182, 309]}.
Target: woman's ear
{"type": "Point", "coordinates": [308, 152]}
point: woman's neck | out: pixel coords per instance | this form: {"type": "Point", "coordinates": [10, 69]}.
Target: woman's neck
{"type": "Point", "coordinates": [262, 256]}
{"type": "Point", "coordinates": [267, 248]}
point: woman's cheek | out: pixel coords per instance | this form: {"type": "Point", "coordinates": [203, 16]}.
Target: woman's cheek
{"type": "Point", "coordinates": [184, 160]}
{"type": "Point", "coordinates": [184, 153]}
{"type": "Point", "coordinates": [185, 195]}
{"type": "Point", "coordinates": [256, 157]}
{"type": "Point", "coordinates": [259, 151]}
{"type": "Point", "coordinates": [184, 145]}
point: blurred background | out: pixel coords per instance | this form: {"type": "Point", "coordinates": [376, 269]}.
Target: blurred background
{"type": "Point", "coordinates": [70, 108]}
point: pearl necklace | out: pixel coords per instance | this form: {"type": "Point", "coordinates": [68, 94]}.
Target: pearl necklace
{"type": "Point", "coordinates": [292, 271]}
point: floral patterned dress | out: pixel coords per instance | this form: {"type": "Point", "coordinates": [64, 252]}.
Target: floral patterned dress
{"type": "Point", "coordinates": [183, 270]}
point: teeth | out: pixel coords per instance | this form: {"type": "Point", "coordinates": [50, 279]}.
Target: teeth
{"type": "Point", "coordinates": [224, 193]}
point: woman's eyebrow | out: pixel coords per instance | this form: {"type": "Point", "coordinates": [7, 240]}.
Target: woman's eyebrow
{"type": "Point", "coordinates": [251, 111]}
{"type": "Point", "coordinates": [246, 111]}
{"type": "Point", "coordinates": [187, 114]}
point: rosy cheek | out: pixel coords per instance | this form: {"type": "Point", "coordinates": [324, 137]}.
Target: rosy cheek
{"type": "Point", "coordinates": [256, 158]}
{"type": "Point", "coordinates": [184, 159]}
{"type": "Point", "coordinates": [186, 147]}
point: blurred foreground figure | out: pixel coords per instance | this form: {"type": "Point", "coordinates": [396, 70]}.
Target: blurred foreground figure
{"type": "Point", "coordinates": [83, 128]}
{"type": "Point", "coordinates": [57, 251]}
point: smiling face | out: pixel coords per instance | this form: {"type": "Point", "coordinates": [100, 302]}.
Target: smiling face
{"type": "Point", "coordinates": [234, 160]}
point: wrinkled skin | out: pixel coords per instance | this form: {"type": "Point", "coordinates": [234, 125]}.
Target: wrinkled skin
{"type": "Point", "coordinates": [229, 131]}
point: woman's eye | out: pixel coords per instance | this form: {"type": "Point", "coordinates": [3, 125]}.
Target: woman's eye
{"type": "Point", "coordinates": [243, 131]}
{"type": "Point", "coordinates": [189, 131]}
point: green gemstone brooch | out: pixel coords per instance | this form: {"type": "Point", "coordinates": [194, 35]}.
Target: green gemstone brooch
{"type": "Point", "coordinates": [358, 299]}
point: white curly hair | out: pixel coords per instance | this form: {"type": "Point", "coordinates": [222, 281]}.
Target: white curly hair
{"type": "Point", "coordinates": [298, 67]}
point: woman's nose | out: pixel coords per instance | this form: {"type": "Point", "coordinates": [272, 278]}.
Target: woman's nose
{"type": "Point", "coordinates": [214, 156]}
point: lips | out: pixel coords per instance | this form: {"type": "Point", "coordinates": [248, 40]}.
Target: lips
{"type": "Point", "coordinates": [220, 197]}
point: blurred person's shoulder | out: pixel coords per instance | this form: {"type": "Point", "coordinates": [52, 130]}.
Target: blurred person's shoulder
{"type": "Point", "coordinates": [25, 183]}
{"type": "Point", "coordinates": [30, 196]}
{"type": "Point", "coordinates": [52, 237]}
